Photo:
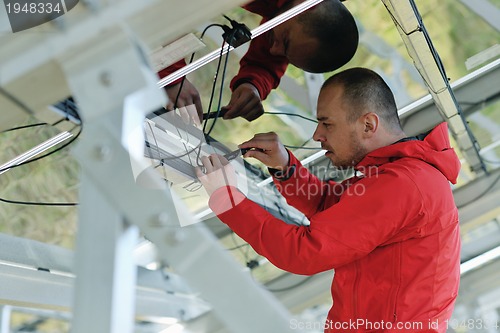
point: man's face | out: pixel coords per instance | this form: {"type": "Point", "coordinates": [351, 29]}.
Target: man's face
{"type": "Point", "coordinates": [341, 138]}
{"type": "Point", "coordinates": [289, 39]}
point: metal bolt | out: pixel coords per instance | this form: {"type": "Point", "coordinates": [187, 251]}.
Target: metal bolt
{"type": "Point", "coordinates": [182, 314]}
{"type": "Point", "coordinates": [103, 153]}
{"type": "Point", "coordinates": [105, 79]}
{"type": "Point", "coordinates": [175, 237]}
{"type": "Point", "coordinates": [160, 220]}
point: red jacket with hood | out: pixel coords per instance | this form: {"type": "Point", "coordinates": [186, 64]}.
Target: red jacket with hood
{"type": "Point", "coordinates": [391, 234]}
{"type": "Point", "coordinates": [258, 66]}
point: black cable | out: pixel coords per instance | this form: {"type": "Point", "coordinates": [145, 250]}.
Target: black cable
{"type": "Point", "coordinates": [52, 204]}
{"type": "Point", "coordinates": [293, 286]}
{"type": "Point", "coordinates": [191, 60]}
{"type": "Point", "coordinates": [206, 134]}
{"type": "Point", "coordinates": [212, 93]}
{"type": "Point", "coordinates": [32, 125]}
{"type": "Point", "coordinates": [15, 202]}
{"type": "Point", "coordinates": [16, 101]}
{"type": "Point", "coordinates": [221, 85]}
{"type": "Point", "coordinates": [59, 121]}
{"type": "Point", "coordinates": [62, 204]}
{"type": "Point", "coordinates": [209, 26]}
{"type": "Point", "coordinates": [302, 147]}
{"type": "Point", "coordinates": [482, 194]}
{"type": "Point", "coordinates": [293, 115]}
{"type": "Point", "coordinates": [47, 154]}
{"type": "Point", "coordinates": [23, 127]}
{"type": "Point", "coordinates": [237, 247]}
{"type": "Point", "coordinates": [214, 84]}
{"type": "Point", "coordinates": [305, 142]}
{"type": "Point", "coordinates": [182, 84]}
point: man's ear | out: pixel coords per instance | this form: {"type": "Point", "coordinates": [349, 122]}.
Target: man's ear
{"type": "Point", "coordinates": [371, 124]}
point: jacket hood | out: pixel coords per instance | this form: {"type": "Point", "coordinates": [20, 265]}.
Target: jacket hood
{"type": "Point", "coordinates": [433, 149]}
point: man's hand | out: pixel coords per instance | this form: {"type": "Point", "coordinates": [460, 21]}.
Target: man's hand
{"type": "Point", "coordinates": [188, 96]}
{"type": "Point", "coordinates": [270, 150]}
{"type": "Point", "coordinates": [245, 102]}
{"type": "Point", "coordinates": [217, 173]}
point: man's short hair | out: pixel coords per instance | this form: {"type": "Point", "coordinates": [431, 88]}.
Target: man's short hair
{"type": "Point", "coordinates": [365, 91]}
{"type": "Point", "coordinates": [334, 27]}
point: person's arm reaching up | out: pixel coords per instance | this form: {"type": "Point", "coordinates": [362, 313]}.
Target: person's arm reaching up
{"type": "Point", "coordinates": [261, 70]}
{"type": "Point", "coordinates": [184, 93]}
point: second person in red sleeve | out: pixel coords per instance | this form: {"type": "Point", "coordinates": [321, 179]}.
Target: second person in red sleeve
{"type": "Point", "coordinates": [318, 40]}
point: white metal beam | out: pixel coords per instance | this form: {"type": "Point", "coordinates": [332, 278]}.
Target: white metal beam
{"type": "Point", "coordinates": [104, 298]}
{"type": "Point", "coordinates": [26, 287]}
{"type": "Point", "coordinates": [478, 196]}
{"type": "Point", "coordinates": [419, 45]}
{"type": "Point", "coordinates": [422, 115]}
{"type": "Point", "coordinates": [486, 10]}
{"type": "Point", "coordinates": [5, 312]}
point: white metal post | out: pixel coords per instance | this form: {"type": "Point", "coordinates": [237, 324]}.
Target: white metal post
{"type": "Point", "coordinates": [106, 275]}
{"type": "Point", "coordinates": [5, 319]}
{"type": "Point", "coordinates": [102, 76]}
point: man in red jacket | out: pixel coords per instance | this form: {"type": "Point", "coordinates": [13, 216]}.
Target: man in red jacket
{"type": "Point", "coordinates": [319, 40]}
{"type": "Point", "coordinates": [391, 232]}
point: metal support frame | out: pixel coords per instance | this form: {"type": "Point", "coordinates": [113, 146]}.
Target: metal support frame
{"type": "Point", "coordinates": [485, 9]}
{"type": "Point", "coordinates": [108, 179]}
{"type": "Point", "coordinates": [479, 196]}
{"type": "Point", "coordinates": [412, 30]}
{"type": "Point", "coordinates": [115, 91]}
{"type": "Point", "coordinates": [105, 283]}
{"type": "Point", "coordinates": [476, 87]}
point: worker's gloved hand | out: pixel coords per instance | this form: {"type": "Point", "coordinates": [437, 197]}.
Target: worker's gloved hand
{"type": "Point", "coordinates": [188, 96]}
{"type": "Point", "coordinates": [216, 173]}
{"type": "Point", "coordinates": [245, 102]}
{"type": "Point", "coordinates": [267, 148]}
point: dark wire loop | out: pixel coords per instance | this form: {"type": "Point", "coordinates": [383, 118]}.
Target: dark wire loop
{"type": "Point", "coordinates": [47, 154]}
{"type": "Point", "coordinates": [52, 204]}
